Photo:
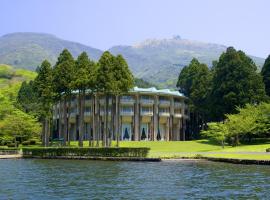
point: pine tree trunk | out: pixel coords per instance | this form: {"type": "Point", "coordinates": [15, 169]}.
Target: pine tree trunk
{"type": "Point", "coordinates": [117, 119]}
{"type": "Point", "coordinates": [69, 125]}
{"type": "Point", "coordinates": [92, 141]}
{"type": "Point", "coordinates": [43, 132]}
{"type": "Point", "coordinates": [60, 131]}
{"type": "Point", "coordinates": [97, 120]}
{"type": "Point", "coordinates": [47, 131]}
{"type": "Point", "coordinates": [65, 121]}
{"type": "Point", "coordinates": [105, 134]}
{"type": "Point", "coordinates": [81, 119]}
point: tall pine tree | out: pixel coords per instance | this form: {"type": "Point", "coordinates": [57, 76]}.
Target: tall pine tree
{"type": "Point", "coordinates": [44, 86]}
{"type": "Point", "coordinates": [63, 74]}
{"type": "Point", "coordinates": [266, 75]}
{"type": "Point", "coordinates": [235, 83]}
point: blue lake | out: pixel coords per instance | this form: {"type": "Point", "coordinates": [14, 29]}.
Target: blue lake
{"type": "Point", "coordinates": [81, 179]}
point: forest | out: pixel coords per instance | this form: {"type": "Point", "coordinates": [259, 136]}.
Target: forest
{"type": "Point", "coordinates": [229, 102]}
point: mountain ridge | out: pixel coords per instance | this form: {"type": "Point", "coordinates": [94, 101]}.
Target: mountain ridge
{"type": "Point", "coordinates": [157, 61]}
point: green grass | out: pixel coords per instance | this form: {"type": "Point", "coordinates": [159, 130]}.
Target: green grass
{"type": "Point", "coordinates": [173, 148]}
{"type": "Point", "coordinates": [240, 156]}
{"type": "Point", "coordinates": [179, 149]}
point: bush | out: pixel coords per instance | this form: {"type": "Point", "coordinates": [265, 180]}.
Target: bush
{"type": "Point", "coordinates": [32, 142]}
{"type": "Point", "coordinates": [25, 143]}
{"type": "Point", "coordinates": [87, 152]}
{"type": "Point", "coordinates": [11, 145]}
{"type": "Point", "coordinates": [268, 150]}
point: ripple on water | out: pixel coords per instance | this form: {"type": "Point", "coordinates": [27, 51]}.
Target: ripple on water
{"type": "Point", "coordinates": [75, 179]}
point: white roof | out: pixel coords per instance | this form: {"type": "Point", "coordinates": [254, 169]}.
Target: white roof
{"type": "Point", "coordinates": [153, 90]}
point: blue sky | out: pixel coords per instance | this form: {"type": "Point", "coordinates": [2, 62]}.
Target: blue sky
{"type": "Point", "coordinates": [243, 24]}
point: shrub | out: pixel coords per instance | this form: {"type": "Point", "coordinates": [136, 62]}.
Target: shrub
{"type": "Point", "coordinates": [32, 142]}
{"type": "Point", "coordinates": [11, 145]}
{"type": "Point", "coordinates": [268, 150]}
{"type": "Point", "coordinates": [25, 143]}
{"type": "Point", "coordinates": [88, 152]}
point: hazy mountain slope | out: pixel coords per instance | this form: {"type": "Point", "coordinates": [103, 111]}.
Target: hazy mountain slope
{"type": "Point", "coordinates": [157, 61]}
{"type": "Point", "coordinates": [27, 50]}
{"type": "Point", "coordinates": [160, 61]}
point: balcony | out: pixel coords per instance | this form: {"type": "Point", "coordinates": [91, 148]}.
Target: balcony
{"type": "Point", "coordinates": [177, 115]}
{"type": "Point", "coordinates": [73, 103]}
{"type": "Point", "coordinates": [102, 101]}
{"type": "Point", "coordinates": [177, 104]}
{"type": "Point", "coordinates": [88, 102]}
{"type": "Point", "coordinates": [73, 114]}
{"type": "Point", "coordinates": [103, 113]}
{"type": "Point", "coordinates": [164, 103]}
{"type": "Point", "coordinates": [87, 113]}
{"type": "Point", "coordinates": [127, 100]}
{"type": "Point", "coordinates": [127, 113]}
{"type": "Point", "coordinates": [147, 101]}
{"type": "Point", "coordinates": [164, 114]}
{"type": "Point", "coordinates": [146, 113]}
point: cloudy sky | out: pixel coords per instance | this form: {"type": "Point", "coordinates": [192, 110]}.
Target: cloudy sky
{"type": "Point", "coordinates": [243, 24]}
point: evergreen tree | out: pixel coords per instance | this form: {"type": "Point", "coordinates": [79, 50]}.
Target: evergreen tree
{"type": "Point", "coordinates": [266, 75]}
{"type": "Point", "coordinates": [27, 98]}
{"type": "Point", "coordinates": [84, 78]}
{"type": "Point", "coordinates": [105, 85]}
{"type": "Point", "coordinates": [44, 87]}
{"type": "Point", "coordinates": [122, 82]}
{"type": "Point", "coordinates": [195, 82]}
{"type": "Point", "coordinates": [235, 83]}
{"type": "Point", "coordinates": [63, 74]}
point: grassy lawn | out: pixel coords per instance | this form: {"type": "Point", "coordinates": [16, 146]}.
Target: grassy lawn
{"type": "Point", "coordinates": [176, 149]}
{"type": "Point", "coordinates": [240, 156]}
{"type": "Point", "coordinates": [169, 149]}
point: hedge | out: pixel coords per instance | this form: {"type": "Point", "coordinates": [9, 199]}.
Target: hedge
{"type": "Point", "coordinates": [9, 151]}
{"type": "Point", "coordinates": [85, 152]}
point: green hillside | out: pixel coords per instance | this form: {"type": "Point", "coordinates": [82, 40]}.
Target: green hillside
{"type": "Point", "coordinates": [160, 61]}
{"type": "Point", "coordinates": [156, 61]}
{"type": "Point", "coordinates": [28, 50]}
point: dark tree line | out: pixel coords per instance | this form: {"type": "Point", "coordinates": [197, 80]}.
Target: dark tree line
{"type": "Point", "coordinates": [110, 76]}
{"type": "Point", "coordinates": [232, 82]}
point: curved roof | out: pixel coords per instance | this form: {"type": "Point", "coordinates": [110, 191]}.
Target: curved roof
{"type": "Point", "coordinates": [153, 90]}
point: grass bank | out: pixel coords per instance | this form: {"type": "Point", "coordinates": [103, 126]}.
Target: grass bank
{"type": "Point", "coordinates": [195, 148]}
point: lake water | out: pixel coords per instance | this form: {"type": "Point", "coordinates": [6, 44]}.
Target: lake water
{"type": "Point", "coordinates": [81, 179]}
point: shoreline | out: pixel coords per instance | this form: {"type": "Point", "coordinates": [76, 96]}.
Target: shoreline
{"type": "Point", "coordinates": [142, 159]}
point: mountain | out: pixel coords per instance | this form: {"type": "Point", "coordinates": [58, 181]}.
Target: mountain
{"type": "Point", "coordinates": [28, 50]}
{"type": "Point", "coordinates": [160, 61]}
{"type": "Point", "coordinates": [156, 61]}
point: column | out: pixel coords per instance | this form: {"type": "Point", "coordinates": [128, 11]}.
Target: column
{"type": "Point", "coordinates": [167, 134]}
{"type": "Point", "coordinates": [136, 118]}
{"type": "Point", "coordinates": [155, 116]}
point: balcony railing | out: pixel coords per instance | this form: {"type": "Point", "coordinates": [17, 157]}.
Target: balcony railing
{"type": "Point", "coordinates": [103, 113]}
{"type": "Point", "coordinates": [147, 113]}
{"type": "Point", "coordinates": [147, 101]}
{"type": "Point", "coordinates": [127, 113]}
{"type": "Point", "coordinates": [164, 114]}
{"type": "Point", "coordinates": [73, 114]}
{"type": "Point", "coordinates": [127, 101]}
{"type": "Point", "coordinates": [73, 103]}
{"type": "Point", "coordinates": [177, 104]}
{"type": "Point", "coordinates": [178, 115]}
{"type": "Point", "coordinates": [102, 101]}
{"type": "Point", "coordinates": [88, 102]}
{"type": "Point", "coordinates": [164, 102]}
{"type": "Point", "coordinates": [87, 113]}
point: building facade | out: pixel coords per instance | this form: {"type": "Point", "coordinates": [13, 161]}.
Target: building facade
{"type": "Point", "coordinates": [142, 114]}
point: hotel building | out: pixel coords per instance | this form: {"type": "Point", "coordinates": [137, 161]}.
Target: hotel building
{"type": "Point", "coordinates": [142, 114]}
